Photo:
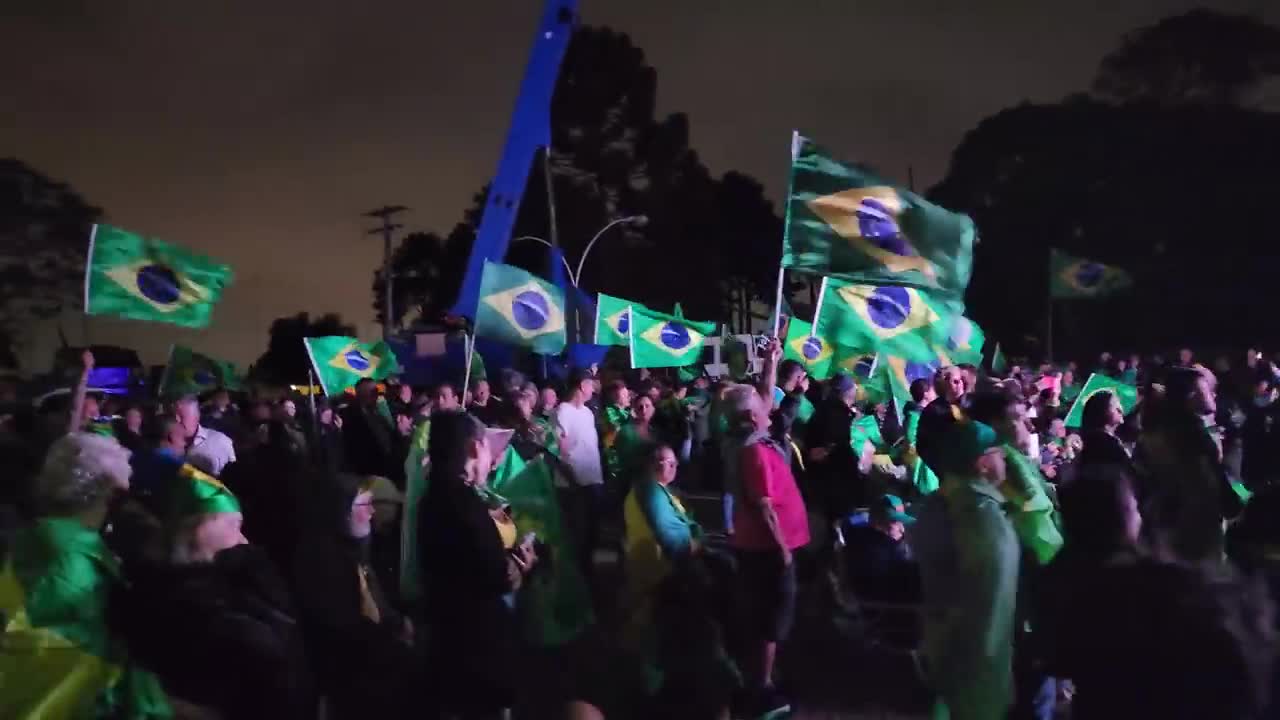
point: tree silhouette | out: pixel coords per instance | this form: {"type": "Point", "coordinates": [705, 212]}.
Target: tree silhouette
{"type": "Point", "coordinates": [612, 158]}
{"type": "Point", "coordinates": [1202, 56]}
{"type": "Point", "coordinates": [44, 235]}
{"type": "Point", "coordinates": [285, 361]}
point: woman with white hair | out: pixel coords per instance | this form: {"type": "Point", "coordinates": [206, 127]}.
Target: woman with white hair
{"type": "Point", "coordinates": [58, 656]}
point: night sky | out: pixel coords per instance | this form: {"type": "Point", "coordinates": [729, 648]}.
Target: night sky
{"type": "Point", "coordinates": [257, 132]}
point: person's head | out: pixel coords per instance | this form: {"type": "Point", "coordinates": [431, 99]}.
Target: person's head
{"type": "Point", "coordinates": [522, 403]}
{"type": "Point", "coordinates": [548, 399]}
{"type": "Point", "coordinates": [404, 393]}
{"type": "Point", "coordinates": [170, 434]}
{"type": "Point", "coordinates": [922, 392]}
{"type": "Point", "coordinates": [1102, 411]}
{"type": "Point", "coordinates": [889, 516]}
{"type": "Point", "coordinates": [1122, 365]}
{"type": "Point", "coordinates": [1058, 429]}
{"type": "Point", "coordinates": [949, 384]}
{"type": "Point", "coordinates": [259, 412]}
{"type": "Point", "coordinates": [81, 472]}
{"type": "Point", "coordinates": [458, 449]}
{"type": "Point", "coordinates": [790, 372]}
{"type": "Point", "coordinates": [746, 411]}
{"type": "Point", "coordinates": [361, 520]}
{"type": "Point", "coordinates": [480, 393]}
{"type": "Point", "coordinates": [445, 398]}
{"type": "Point", "coordinates": [288, 409]}
{"type": "Point", "coordinates": [973, 448]}
{"type": "Point", "coordinates": [221, 399]}
{"type": "Point", "coordinates": [844, 389]}
{"type": "Point", "coordinates": [133, 419]}
{"type": "Point", "coordinates": [1100, 511]}
{"type": "Point", "coordinates": [326, 414]}
{"type": "Point", "coordinates": [404, 422]}
{"type": "Point", "coordinates": [1003, 412]}
{"type": "Point", "coordinates": [206, 518]}
{"type": "Point", "coordinates": [969, 373]}
{"type": "Point", "coordinates": [1068, 378]}
{"type": "Point", "coordinates": [366, 391]}
{"type": "Point", "coordinates": [91, 409]}
{"type": "Point", "coordinates": [1186, 357]}
{"type": "Point", "coordinates": [617, 394]}
{"type": "Point", "coordinates": [187, 410]}
{"type": "Point", "coordinates": [580, 387]}
{"type": "Point", "coordinates": [665, 464]}
{"type": "Point", "coordinates": [1191, 390]}
{"type": "Point", "coordinates": [642, 409]}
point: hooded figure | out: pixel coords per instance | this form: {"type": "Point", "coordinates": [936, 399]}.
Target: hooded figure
{"type": "Point", "coordinates": [360, 646]}
{"type": "Point", "coordinates": [218, 603]}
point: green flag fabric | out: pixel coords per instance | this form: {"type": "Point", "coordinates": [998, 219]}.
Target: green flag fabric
{"type": "Point", "coordinates": [130, 276]}
{"type": "Point", "coordinates": [558, 604]}
{"type": "Point", "coordinates": [811, 351]}
{"type": "Point", "coordinates": [885, 318]}
{"type": "Point", "coordinates": [965, 340]}
{"type": "Point", "coordinates": [521, 309]}
{"type": "Point", "coordinates": [999, 365]}
{"type": "Point", "coordinates": [660, 340]}
{"type": "Point", "coordinates": [613, 320]}
{"type": "Point", "coordinates": [1097, 383]}
{"type": "Point", "coordinates": [340, 362]}
{"type": "Point", "coordinates": [1073, 277]}
{"type": "Point", "coordinates": [191, 373]}
{"type": "Point", "coordinates": [844, 221]}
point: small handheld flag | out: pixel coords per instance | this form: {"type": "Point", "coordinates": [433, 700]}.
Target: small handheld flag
{"type": "Point", "coordinates": [340, 362]}
{"type": "Point", "coordinates": [519, 308]}
{"type": "Point", "coordinates": [191, 373]}
{"type": "Point", "coordinates": [660, 340]}
{"type": "Point", "coordinates": [1072, 277]}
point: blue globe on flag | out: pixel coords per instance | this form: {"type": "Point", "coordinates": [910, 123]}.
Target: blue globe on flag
{"type": "Point", "coordinates": [159, 284]}
{"type": "Point", "coordinates": [530, 310]}
{"type": "Point", "coordinates": [675, 336]}
{"type": "Point", "coordinates": [356, 360]}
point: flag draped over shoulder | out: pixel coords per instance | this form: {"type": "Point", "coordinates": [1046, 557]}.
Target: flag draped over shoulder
{"type": "Point", "coordinates": [130, 276]}
{"type": "Point", "coordinates": [1072, 277]}
{"type": "Point", "coordinates": [895, 320]}
{"type": "Point", "coordinates": [661, 340]}
{"type": "Point", "coordinates": [57, 657]}
{"type": "Point", "coordinates": [340, 362]}
{"type": "Point", "coordinates": [843, 221]}
{"type": "Point", "coordinates": [1127, 394]}
{"type": "Point", "coordinates": [815, 354]}
{"type": "Point", "coordinates": [520, 308]}
{"type": "Point", "coordinates": [191, 373]}
{"type": "Point", "coordinates": [560, 607]}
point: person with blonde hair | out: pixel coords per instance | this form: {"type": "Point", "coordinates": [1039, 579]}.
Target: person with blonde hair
{"type": "Point", "coordinates": [58, 655]}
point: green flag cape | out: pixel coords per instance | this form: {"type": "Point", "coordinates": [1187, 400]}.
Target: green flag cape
{"type": "Point", "coordinates": [559, 606]}
{"type": "Point", "coordinates": [815, 354]}
{"type": "Point", "coordinates": [1072, 277]}
{"type": "Point", "coordinates": [660, 340]}
{"type": "Point", "coordinates": [888, 319]}
{"type": "Point", "coordinates": [191, 373]}
{"type": "Point", "coordinates": [340, 362]}
{"type": "Point", "coordinates": [521, 309]}
{"type": "Point", "coordinates": [130, 276]}
{"type": "Point", "coordinates": [846, 222]}
{"type": "Point", "coordinates": [58, 659]}
{"type": "Point", "coordinates": [1097, 383]}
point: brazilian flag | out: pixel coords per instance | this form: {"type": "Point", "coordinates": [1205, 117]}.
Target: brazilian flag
{"type": "Point", "coordinates": [661, 340]}
{"type": "Point", "coordinates": [191, 373]}
{"type": "Point", "coordinates": [58, 659]}
{"type": "Point", "coordinates": [811, 351]}
{"type": "Point", "coordinates": [965, 339]}
{"type": "Point", "coordinates": [902, 372]}
{"type": "Point", "coordinates": [559, 605]}
{"type": "Point", "coordinates": [340, 362]}
{"type": "Point", "coordinates": [1073, 277]}
{"type": "Point", "coordinates": [613, 320]}
{"type": "Point", "coordinates": [1097, 382]}
{"type": "Point", "coordinates": [843, 221]}
{"type": "Point", "coordinates": [519, 308]}
{"type": "Point", "coordinates": [891, 319]}
{"type": "Point", "coordinates": [140, 278]}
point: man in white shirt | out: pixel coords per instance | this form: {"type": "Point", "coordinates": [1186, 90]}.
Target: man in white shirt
{"type": "Point", "coordinates": [580, 450]}
{"type": "Point", "coordinates": [207, 449]}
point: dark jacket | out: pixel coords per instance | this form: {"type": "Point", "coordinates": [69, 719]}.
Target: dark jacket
{"type": "Point", "coordinates": [836, 477]}
{"type": "Point", "coordinates": [473, 630]}
{"type": "Point", "coordinates": [371, 446]}
{"type": "Point", "coordinates": [224, 635]}
{"type": "Point", "coordinates": [363, 667]}
{"type": "Point", "coordinates": [1102, 448]}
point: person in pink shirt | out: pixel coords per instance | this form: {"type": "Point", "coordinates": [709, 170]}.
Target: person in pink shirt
{"type": "Point", "coordinates": [770, 524]}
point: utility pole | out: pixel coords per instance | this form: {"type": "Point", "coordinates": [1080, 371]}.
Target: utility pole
{"type": "Point", "coordinates": [385, 213]}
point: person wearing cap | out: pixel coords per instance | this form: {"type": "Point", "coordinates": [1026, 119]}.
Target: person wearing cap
{"type": "Point", "coordinates": [969, 557]}
{"type": "Point", "coordinates": [215, 603]}
{"type": "Point", "coordinates": [877, 556]}
{"type": "Point", "coordinates": [833, 461]}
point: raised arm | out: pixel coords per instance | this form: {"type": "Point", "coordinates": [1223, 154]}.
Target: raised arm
{"type": "Point", "coordinates": [74, 422]}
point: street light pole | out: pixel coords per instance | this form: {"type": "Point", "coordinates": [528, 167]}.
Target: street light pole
{"type": "Point", "coordinates": [385, 213]}
{"type": "Point", "coordinates": [568, 271]}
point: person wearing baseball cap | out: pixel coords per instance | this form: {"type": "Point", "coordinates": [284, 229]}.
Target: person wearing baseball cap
{"type": "Point", "coordinates": [877, 556]}
{"type": "Point", "coordinates": [969, 556]}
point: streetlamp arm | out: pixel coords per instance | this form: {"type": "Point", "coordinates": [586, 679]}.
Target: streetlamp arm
{"type": "Point", "coordinates": [587, 251]}
{"type": "Point", "coordinates": [563, 261]}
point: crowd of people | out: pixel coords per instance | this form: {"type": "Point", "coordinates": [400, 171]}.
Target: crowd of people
{"type": "Point", "coordinates": [234, 557]}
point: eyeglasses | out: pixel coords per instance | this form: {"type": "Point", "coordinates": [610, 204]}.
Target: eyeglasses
{"type": "Point", "coordinates": [363, 504]}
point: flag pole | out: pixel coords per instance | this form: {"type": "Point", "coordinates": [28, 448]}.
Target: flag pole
{"type": "Point", "coordinates": [777, 301]}
{"type": "Point", "coordinates": [468, 345]}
